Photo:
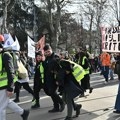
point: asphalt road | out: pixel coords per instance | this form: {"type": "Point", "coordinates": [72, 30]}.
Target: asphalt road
{"type": "Point", "coordinates": [96, 106]}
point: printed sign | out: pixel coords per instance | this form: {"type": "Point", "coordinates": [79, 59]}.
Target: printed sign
{"type": "Point", "coordinates": [111, 39]}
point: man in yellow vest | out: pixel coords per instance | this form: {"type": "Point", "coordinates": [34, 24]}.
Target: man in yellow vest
{"type": "Point", "coordinates": [7, 79]}
{"type": "Point", "coordinates": [85, 82]}
{"type": "Point", "coordinates": [68, 76]}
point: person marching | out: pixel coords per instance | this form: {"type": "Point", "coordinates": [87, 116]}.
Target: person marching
{"type": "Point", "coordinates": [50, 85]}
{"type": "Point", "coordinates": [7, 80]}
{"type": "Point", "coordinates": [68, 76]}
{"type": "Point", "coordinates": [23, 80]}
{"type": "Point", "coordinates": [105, 59]}
{"type": "Point", "coordinates": [38, 78]}
{"type": "Point", "coordinates": [85, 82]}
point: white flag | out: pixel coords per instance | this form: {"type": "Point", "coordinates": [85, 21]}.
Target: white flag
{"type": "Point", "coordinates": [31, 48]}
{"type": "Point", "coordinates": [16, 46]}
{"type": "Point", "coordinates": [8, 41]}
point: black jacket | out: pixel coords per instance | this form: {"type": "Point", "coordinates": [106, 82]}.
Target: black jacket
{"type": "Point", "coordinates": [69, 84]}
{"type": "Point", "coordinates": [49, 77]}
{"type": "Point", "coordinates": [37, 77]}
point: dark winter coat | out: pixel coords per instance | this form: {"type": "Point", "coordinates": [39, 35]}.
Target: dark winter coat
{"type": "Point", "coordinates": [49, 77]}
{"type": "Point", "coordinates": [37, 77]}
{"type": "Point", "coordinates": [70, 86]}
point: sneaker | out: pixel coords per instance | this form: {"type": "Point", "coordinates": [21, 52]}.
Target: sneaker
{"type": "Point", "coordinates": [62, 107]}
{"type": "Point", "coordinates": [116, 111]}
{"type": "Point", "coordinates": [25, 114]}
{"type": "Point", "coordinates": [16, 100]}
{"type": "Point", "coordinates": [53, 110]}
{"type": "Point", "coordinates": [68, 118]}
{"type": "Point", "coordinates": [78, 107]}
{"type": "Point", "coordinates": [35, 106]}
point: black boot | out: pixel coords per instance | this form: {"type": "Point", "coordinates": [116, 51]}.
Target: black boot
{"type": "Point", "coordinates": [53, 110]}
{"type": "Point", "coordinates": [62, 106]}
{"type": "Point", "coordinates": [90, 90]}
{"type": "Point", "coordinates": [78, 107]}
{"type": "Point", "coordinates": [25, 114]}
{"type": "Point", "coordinates": [17, 97]}
{"type": "Point", "coordinates": [36, 105]}
{"type": "Point", "coordinates": [16, 100]}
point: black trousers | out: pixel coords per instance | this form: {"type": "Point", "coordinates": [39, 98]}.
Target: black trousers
{"type": "Point", "coordinates": [37, 89]}
{"type": "Point", "coordinates": [85, 82]}
{"type": "Point", "coordinates": [25, 85]}
{"type": "Point", "coordinates": [57, 100]}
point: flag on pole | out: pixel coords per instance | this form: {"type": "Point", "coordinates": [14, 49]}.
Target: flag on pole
{"type": "Point", "coordinates": [8, 40]}
{"type": "Point", "coordinates": [41, 43]}
{"type": "Point", "coordinates": [31, 48]}
{"type": "Point", "coordinates": [16, 46]}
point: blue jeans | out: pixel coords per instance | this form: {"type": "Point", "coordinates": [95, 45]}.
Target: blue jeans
{"type": "Point", "coordinates": [105, 70]}
{"type": "Point", "coordinates": [117, 103]}
{"type": "Point", "coordinates": [111, 74]}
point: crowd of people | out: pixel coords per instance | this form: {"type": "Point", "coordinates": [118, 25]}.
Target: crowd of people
{"type": "Point", "coordinates": [61, 76]}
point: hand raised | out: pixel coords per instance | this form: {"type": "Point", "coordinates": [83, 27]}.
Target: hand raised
{"type": "Point", "coordinates": [9, 94]}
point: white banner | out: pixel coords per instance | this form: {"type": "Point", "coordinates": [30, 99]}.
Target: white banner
{"type": "Point", "coordinates": [111, 39]}
{"type": "Point", "coordinates": [31, 48]}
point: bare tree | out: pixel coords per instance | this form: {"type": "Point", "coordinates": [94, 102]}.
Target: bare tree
{"type": "Point", "coordinates": [90, 16]}
{"type": "Point", "coordinates": [94, 12]}
{"type": "Point", "coordinates": [54, 8]}
{"type": "Point", "coordinates": [115, 8]}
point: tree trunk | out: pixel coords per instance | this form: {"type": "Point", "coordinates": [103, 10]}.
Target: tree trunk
{"type": "Point", "coordinates": [90, 32]}
{"type": "Point", "coordinates": [57, 27]}
{"type": "Point", "coordinates": [35, 27]}
{"type": "Point", "coordinates": [4, 26]}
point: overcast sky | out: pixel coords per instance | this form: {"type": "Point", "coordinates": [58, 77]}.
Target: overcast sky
{"type": "Point", "coordinates": [75, 8]}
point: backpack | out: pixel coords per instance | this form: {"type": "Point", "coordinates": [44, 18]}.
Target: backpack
{"type": "Point", "coordinates": [22, 71]}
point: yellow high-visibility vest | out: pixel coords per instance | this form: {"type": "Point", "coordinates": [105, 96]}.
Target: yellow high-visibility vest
{"type": "Point", "coordinates": [83, 62]}
{"type": "Point", "coordinates": [3, 73]}
{"type": "Point", "coordinates": [78, 71]}
{"type": "Point", "coordinates": [42, 72]}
